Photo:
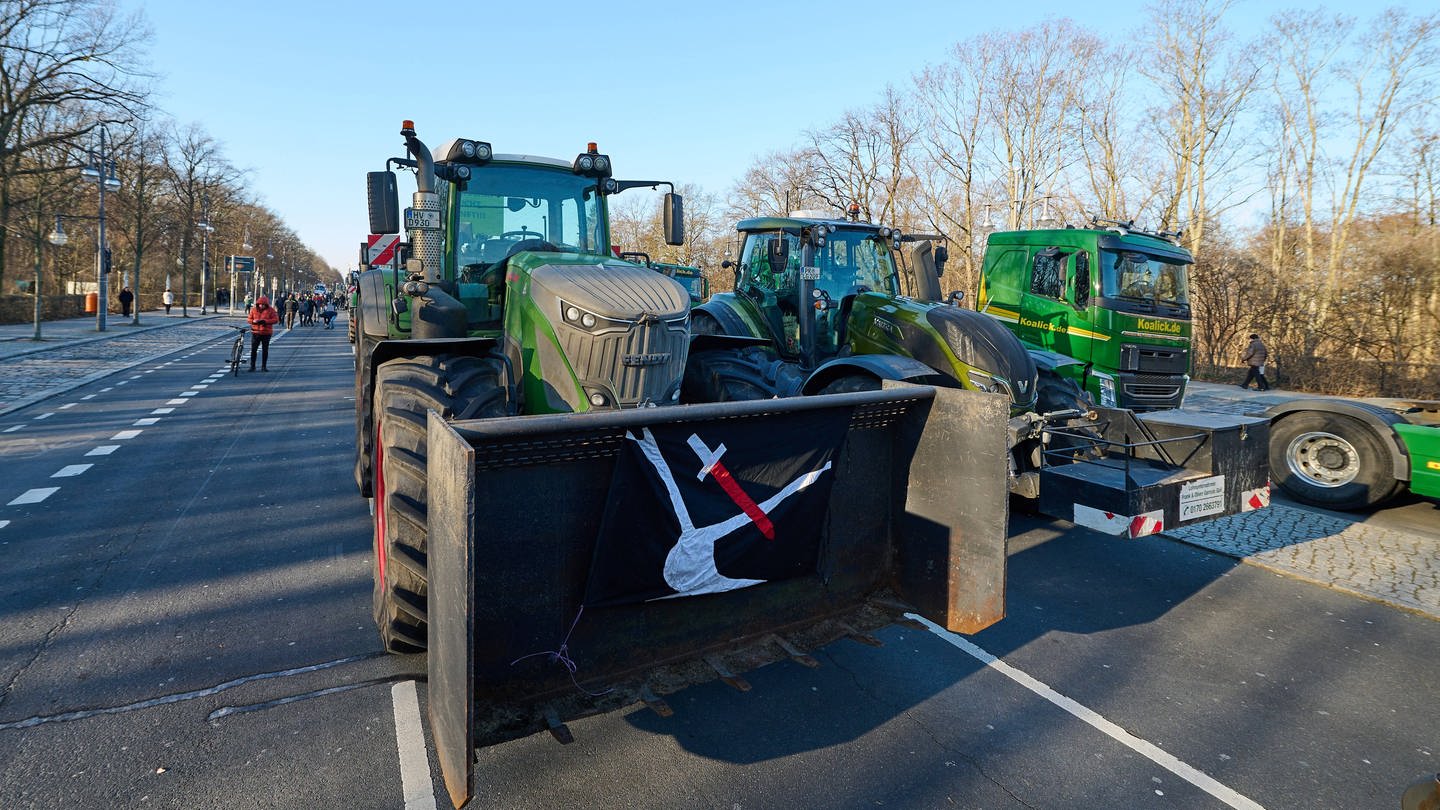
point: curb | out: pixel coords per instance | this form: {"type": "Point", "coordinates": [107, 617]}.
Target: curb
{"type": "Point", "coordinates": [130, 330]}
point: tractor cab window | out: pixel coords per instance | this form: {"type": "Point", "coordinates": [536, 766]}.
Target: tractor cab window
{"type": "Point", "coordinates": [1147, 280]}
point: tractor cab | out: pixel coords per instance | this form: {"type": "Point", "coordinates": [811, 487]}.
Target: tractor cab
{"type": "Point", "coordinates": [801, 275]}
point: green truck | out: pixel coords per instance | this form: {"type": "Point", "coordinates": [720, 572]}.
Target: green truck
{"type": "Point", "coordinates": [1113, 297]}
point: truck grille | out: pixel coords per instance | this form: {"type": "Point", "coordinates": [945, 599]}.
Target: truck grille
{"type": "Point", "coordinates": [638, 364]}
{"type": "Point", "coordinates": [1151, 387]}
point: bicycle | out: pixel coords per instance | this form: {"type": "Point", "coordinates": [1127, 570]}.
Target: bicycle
{"type": "Point", "coordinates": [237, 349]}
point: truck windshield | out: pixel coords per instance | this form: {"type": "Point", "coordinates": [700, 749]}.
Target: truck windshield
{"type": "Point", "coordinates": [1131, 275]}
{"type": "Point", "coordinates": [505, 204]}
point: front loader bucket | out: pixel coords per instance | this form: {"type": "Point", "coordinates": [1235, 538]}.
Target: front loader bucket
{"type": "Point", "coordinates": [915, 520]}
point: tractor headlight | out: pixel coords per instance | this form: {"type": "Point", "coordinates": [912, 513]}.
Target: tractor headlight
{"type": "Point", "coordinates": [580, 319]}
{"type": "Point", "coordinates": [989, 383]}
{"type": "Point", "coordinates": [463, 150]}
{"type": "Point", "coordinates": [591, 163]}
{"type": "Point", "coordinates": [587, 320]}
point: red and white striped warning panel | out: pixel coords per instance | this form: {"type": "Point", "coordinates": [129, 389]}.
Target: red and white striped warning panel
{"type": "Point", "coordinates": [1131, 526]}
{"type": "Point", "coordinates": [380, 247]}
{"type": "Point", "coordinates": [1252, 499]}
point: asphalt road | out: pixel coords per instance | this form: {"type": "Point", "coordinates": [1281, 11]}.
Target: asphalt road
{"type": "Point", "coordinates": [186, 624]}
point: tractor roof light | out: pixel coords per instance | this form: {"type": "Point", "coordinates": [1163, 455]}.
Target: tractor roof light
{"type": "Point", "coordinates": [591, 163]}
{"type": "Point", "coordinates": [463, 150]}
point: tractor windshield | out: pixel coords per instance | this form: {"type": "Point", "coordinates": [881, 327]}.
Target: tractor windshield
{"type": "Point", "coordinates": [850, 261]}
{"type": "Point", "coordinates": [503, 205]}
{"type": "Point", "coordinates": [1129, 275]}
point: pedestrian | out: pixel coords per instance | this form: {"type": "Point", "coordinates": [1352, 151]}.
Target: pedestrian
{"type": "Point", "coordinates": [328, 313]}
{"type": "Point", "coordinates": [292, 308]}
{"type": "Point", "coordinates": [126, 298]}
{"type": "Point", "coordinates": [307, 309]}
{"type": "Point", "coordinates": [263, 318]}
{"type": "Point", "coordinates": [168, 299]}
{"type": "Point", "coordinates": [1255, 355]}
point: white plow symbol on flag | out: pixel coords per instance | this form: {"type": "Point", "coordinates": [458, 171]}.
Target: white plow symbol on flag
{"type": "Point", "coordinates": [690, 565]}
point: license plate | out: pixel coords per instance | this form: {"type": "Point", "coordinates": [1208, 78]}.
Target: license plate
{"type": "Point", "coordinates": [421, 220]}
{"type": "Point", "coordinates": [809, 274]}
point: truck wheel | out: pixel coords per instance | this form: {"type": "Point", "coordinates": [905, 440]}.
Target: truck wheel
{"type": "Point", "coordinates": [455, 387]}
{"type": "Point", "coordinates": [1330, 460]}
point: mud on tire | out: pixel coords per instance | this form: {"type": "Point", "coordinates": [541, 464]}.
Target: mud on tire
{"type": "Point", "coordinates": [456, 387]}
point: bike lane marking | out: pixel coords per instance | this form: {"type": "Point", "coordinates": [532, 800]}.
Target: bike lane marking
{"type": "Point", "coordinates": [1144, 748]}
{"type": "Point", "coordinates": [415, 781]}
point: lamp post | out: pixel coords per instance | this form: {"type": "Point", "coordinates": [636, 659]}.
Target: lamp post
{"type": "Point", "coordinates": [58, 238]}
{"type": "Point", "coordinates": [101, 170]}
{"type": "Point", "coordinates": [245, 247]}
{"type": "Point", "coordinates": [205, 230]}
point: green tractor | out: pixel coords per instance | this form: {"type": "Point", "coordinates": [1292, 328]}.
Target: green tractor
{"type": "Point", "coordinates": [820, 307]}
{"type": "Point", "coordinates": [1113, 297]}
{"type": "Point", "coordinates": [511, 304]}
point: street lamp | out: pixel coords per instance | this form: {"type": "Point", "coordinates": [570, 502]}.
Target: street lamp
{"type": "Point", "coordinates": [101, 171]}
{"type": "Point", "coordinates": [205, 230]}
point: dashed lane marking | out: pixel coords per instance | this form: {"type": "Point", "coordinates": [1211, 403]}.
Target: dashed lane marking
{"type": "Point", "coordinates": [67, 406]}
{"type": "Point", "coordinates": [146, 422]}
{"type": "Point", "coordinates": [103, 390]}
{"type": "Point", "coordinates": [200, 386]}
{"type": "Point", "coordinates": [163, 410]}
{"type": "Point", "coordinates": [1145, 748]}
{"type": "Point", "coordinates": [44, 416]}
{"type": "Point", "coordinates": [176, 401]}
{"type": "Point", "coordinates": [72, 470]}
{"type": "Point", "coordinates": [4, 523]}
{"type": "Point", "coordinates": [13, 429]}
{"type": "Point", "coordinates": [125, 434]}
{"type": "Point", "coordinates": [104, 450]}
{"type": "Point", "coordinates": [34, 496]}
{"type": "Point", "coordinates": [88, 396]}
{"type": "Point", "coordinates": [410, 740]}
{"type": "Point", "coordinates": [189, 393]}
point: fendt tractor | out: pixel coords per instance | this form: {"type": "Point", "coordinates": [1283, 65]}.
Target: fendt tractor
{"type": "Point", "coordinates": [818, 301]}
{"type": "Point", "coordinates": [561, 533]}
{"type": "Point", "coordinates": [1113, 297]}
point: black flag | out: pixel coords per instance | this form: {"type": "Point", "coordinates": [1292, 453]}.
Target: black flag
{"type": "Point", "coordinates": [713, 506]}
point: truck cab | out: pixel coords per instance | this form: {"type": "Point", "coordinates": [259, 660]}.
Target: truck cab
{"type": "Point", "coordinates": [1116, 299]}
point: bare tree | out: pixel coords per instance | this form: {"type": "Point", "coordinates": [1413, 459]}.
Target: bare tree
{"type": "Point", "coordinates": [195, 168]}
{"type": "Point", "coordinates": [74, 54]}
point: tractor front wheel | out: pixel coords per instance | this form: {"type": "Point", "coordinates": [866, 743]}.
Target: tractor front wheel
{"type": "Point", "coordinates": [456, 387]}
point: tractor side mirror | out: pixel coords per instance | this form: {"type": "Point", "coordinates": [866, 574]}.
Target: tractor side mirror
{"type": "Point", "coordinates": [955, 297]}
{"type": "Point", "coordinates": [673, 216]}
{"type": "Point", "coordinates": [384, 205]}
{"type": "Point", "coordinates": [778, 252]}
{"type": "Point", "coordinates": [942, 255]}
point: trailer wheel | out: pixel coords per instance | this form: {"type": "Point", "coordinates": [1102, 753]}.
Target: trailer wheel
{"type": "Point", "coordinates": [455, 387]}
{"type": "Point", "coordinates": [1330, 460]}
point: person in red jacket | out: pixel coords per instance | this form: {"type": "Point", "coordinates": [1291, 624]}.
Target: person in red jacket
{"type": "Point", "coordinates": [263, 318]}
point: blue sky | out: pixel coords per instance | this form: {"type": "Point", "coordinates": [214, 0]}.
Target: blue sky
{"type": "Point", "coordinates": [308, 96]}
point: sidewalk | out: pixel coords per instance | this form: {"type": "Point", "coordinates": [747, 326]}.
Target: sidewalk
{"type": "Point", "coordinates": [71, 353]}
{"type": "Point", "coordinates": [16, 338]}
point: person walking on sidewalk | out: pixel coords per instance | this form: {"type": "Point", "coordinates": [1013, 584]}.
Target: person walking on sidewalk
{"type": "Point", "coordinates": [263, 318]}
{"type": "Point", "coordinates": [1255, 355]}
{"type": "Point", "coordinates": [127, 297]}
{"type": "Point", "coordinates": [168, 299]}
{"type": "Point", "coordinates": [292, 308]}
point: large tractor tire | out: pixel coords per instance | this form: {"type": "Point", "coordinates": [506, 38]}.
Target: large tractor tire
{"type": "Point", "coordinates": [456, 387]}
{"type": "Point", "coordinates": [1056, 393]}
{"type": "Point", "coordinates": [737, 375]}
{"type": "Point", "coordinates": [364, 418]}
{"type": "Point", "coordinates": [1330, 460]}
{"type": "Point", "coordinates": [853, 383]}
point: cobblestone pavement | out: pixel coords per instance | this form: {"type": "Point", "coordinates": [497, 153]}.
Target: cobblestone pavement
{"type": "Point", "coordinates": [1387, 564]}
{"type": "Point", "coordinates": [37, 374]}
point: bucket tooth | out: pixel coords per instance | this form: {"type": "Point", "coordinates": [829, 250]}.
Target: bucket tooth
{"type": "Point", "coordinates": [795, 653]}
{"type": "Point", "coordinates": [726, 675]}
{"type": "Point", "coordinates": [655, 702]}
{"type": "Point", "coordinates": [558, 730]}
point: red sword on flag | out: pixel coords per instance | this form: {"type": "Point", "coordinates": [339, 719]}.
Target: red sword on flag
{"type": "Point", "coordinates": [710, 465]}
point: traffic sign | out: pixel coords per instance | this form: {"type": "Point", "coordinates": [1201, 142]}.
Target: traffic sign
{"type": "Point", "coordinates": [380, 248]}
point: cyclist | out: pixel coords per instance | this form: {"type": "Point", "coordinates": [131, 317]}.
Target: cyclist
{"type": "Point", "coordinates": [263, 318]}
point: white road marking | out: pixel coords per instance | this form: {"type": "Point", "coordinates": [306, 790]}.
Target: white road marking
{"type": "Point", "coordinates": [415, 782]}
{"type": "Point", "coordinates": [148, 371]}
{"type": "Point", "coordinates": [136, 377]}
{"type": "Point", "coordinates": [13, 429]}
{"type": "Point", "coordinates": [200, 386]}
{"type": "Point", "coordinates": [189, 393]}
{"type": "Point", "coordinates": [88, 396]}
{"type": "Point", "coordinates": [44, 416]}
{"type": "Point", "coordinates": [1147, 749]}
{"type": "Point", "coordinates": [163, 410]}
{"type": "Point", "coordinates": [122, 382]}
{"type": "Point", "coordinates": [67, 406]}
{"type": "Point", "coordinates": [4, 523]}
{"type": "Point", "coordinates": [146, 422]}
{"type": "Point", "coordinates": [72, 470]}
{"type": "Point", "coordinates": [103, 390]}
{"type": "Point", "coordinates": [125, 434]}
{"type": "Point", "coordinates": [34, 496]}
{"type": "Point", "coordinates": [176, 401]}
{"type": "Point", "coordinates": [104, 450]}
